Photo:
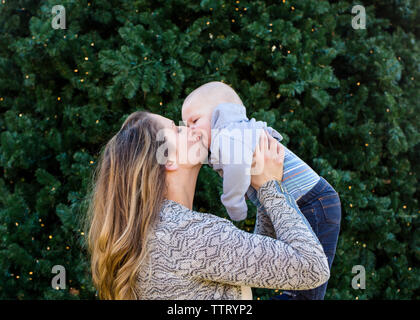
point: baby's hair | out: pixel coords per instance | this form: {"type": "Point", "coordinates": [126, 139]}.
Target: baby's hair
{"type": "Point", "coordinates": [222, 91]}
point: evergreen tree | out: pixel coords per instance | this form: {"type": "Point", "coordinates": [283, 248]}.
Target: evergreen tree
{"type": "Point", "coordinates": [345, 100]}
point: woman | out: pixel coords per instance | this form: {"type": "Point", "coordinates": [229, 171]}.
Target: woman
{"type": "Point", "coordinates": [146, 242]}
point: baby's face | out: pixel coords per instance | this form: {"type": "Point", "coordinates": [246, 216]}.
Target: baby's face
{"type": "Point", "coordinates": [197, 116]}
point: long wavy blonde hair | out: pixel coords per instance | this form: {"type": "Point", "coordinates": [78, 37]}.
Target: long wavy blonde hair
{"type": "Point", "coordinates": [126, 193]}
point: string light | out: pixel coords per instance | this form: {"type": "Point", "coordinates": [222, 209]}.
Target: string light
{"type": "Point", "coordinates": [86, 58]}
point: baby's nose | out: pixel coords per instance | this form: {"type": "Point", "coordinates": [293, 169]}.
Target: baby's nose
{"type": "Point", "coordinates": [195, 134]}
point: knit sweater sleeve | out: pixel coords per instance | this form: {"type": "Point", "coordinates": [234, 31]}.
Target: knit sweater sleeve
{"type": "Point", "coordinates": [216, 250]}
{"type": "Point", "coordinates": [263, 225]}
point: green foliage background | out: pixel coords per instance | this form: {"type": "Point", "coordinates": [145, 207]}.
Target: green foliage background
{"type": "Point", "coordinates": [345, 100]}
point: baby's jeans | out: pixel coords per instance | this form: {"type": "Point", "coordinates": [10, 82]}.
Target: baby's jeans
{"type": "Point", "coordinates": [322, 208]}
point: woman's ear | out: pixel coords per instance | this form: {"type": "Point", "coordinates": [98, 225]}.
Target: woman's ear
{"type": "Point", "coordinates": [171, 165]}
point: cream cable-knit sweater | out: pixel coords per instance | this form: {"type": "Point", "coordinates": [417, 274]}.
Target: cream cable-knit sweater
{"type": "Point", "coordinates": [200, 256]}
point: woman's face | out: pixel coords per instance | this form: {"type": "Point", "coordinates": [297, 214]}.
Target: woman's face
{"type": "Point", "coordinates": [185, 147]}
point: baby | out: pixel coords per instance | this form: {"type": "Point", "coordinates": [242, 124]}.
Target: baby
{"type": "Point", "coordinates": [216, 112]}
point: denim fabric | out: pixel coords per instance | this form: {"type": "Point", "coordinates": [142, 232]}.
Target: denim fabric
{"type": "Point", "coordinates": [322, 208]}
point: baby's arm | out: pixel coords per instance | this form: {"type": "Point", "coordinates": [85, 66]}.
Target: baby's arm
{"type": "Point", "coordinates": [236, 178]}
{"type": "Point", "coordinates": [235, 185]}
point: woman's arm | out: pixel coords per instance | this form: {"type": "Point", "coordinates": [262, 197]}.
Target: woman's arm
{"type": "Point", "coordinates": [263, 225]}
{"type": "Point", "coordinates": [214, 249]}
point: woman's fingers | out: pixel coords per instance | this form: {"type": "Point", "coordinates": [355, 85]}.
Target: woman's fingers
{"type": "Point", "coordinates": [265, 141]}
{"type": "Point", "coordinates": [273, 145]}
{"type": "Point", "coordinates": [280, 152]}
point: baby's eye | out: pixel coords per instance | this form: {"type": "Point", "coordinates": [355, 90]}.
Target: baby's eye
{"type": "Point", "coordinates": [195, 121]}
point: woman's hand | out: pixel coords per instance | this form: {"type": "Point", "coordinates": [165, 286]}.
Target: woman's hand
{"type": "Point", "coordinates": [267, 163]}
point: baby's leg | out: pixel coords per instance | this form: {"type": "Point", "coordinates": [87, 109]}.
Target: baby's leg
{"type": "Point", "coordinates": [322, 208]}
